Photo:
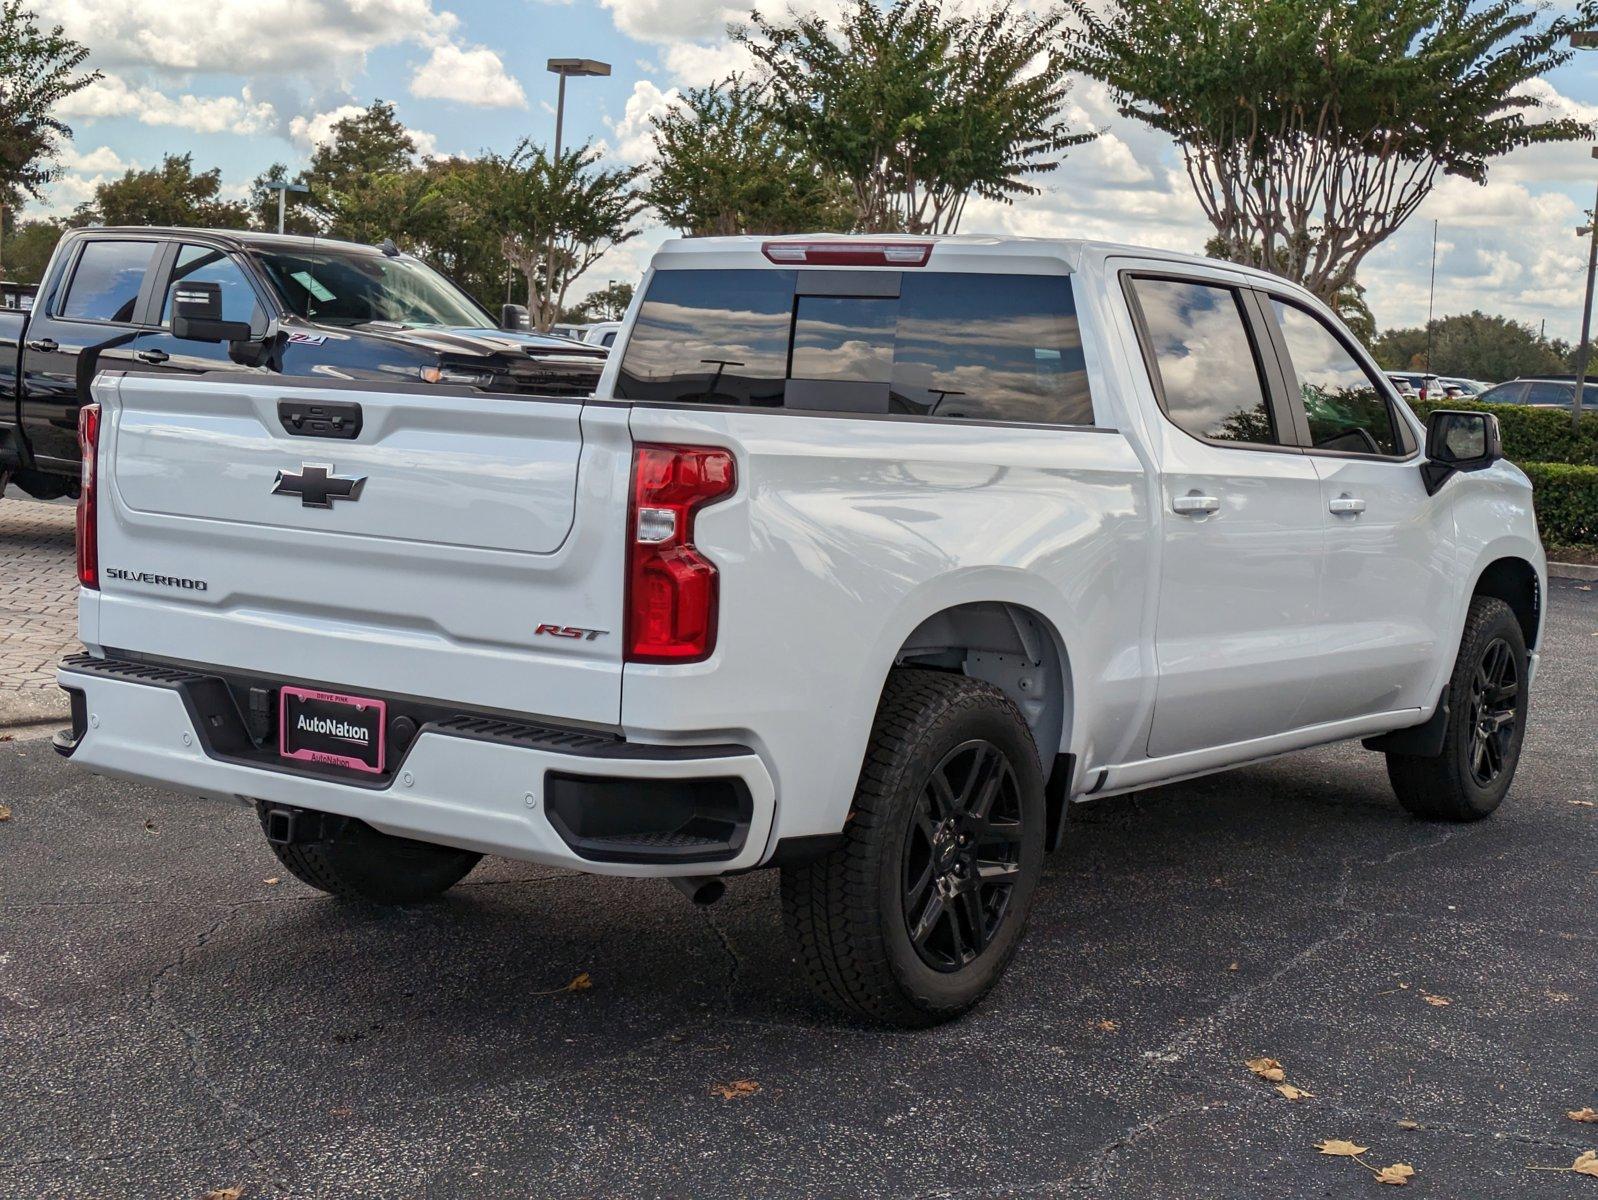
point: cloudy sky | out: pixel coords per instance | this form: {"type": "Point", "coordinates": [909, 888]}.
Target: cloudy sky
{"type": "Point", "coordinates": [244, 83]}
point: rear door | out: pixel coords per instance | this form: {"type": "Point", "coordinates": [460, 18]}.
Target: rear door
{"type": "Point", "coordinates": [86, 326]}
{"type": "Point", "coordinates": [1389, 546]}
{"type": "Point", "coordinates": [412, 540]}
{"type": "Point", "coordinates": [1242, 529]}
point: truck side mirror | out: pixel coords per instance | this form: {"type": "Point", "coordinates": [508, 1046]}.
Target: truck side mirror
{"type": "Point", "coordinates": [513, 317]}
{"type": "Point", "coordinates": [197, 315]}
{"type": "Point", "coordinates": [1459, 441]}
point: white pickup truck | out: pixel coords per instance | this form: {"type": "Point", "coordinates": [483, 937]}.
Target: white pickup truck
{"type": "Point", "coordinates": [868, 557]}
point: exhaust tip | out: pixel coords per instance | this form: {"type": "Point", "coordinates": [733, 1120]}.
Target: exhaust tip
{"type": "Point", "coordinates": [700, 889]}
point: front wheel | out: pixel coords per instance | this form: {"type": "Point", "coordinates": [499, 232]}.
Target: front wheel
{"type": "Point", "coordinates": [1486, 722]}
{"type": "Point", "coordinates": [914, 918]}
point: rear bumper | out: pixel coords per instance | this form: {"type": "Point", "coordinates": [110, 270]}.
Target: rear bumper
{"type": "Point", "coordinates": [558, 798]}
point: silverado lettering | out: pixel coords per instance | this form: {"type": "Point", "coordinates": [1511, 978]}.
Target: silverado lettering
{"type": "Point", "coordinates": [175, 581]}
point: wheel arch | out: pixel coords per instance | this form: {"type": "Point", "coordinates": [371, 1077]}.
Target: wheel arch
{"type": "Point", "coordinates": [1018, 650]}
{"type": "Point", "coordinates": [1514, 580]}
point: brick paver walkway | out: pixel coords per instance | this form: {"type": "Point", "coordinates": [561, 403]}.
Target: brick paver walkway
{"type": "Point", "coordinates": [38, 592]}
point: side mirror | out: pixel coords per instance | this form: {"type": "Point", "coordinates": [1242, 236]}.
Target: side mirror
{"type": "Point", "coordinates": [1459, 441]}
{"type": "Point", "coordinates": [513, 317]}
{"type": "Point", "coordinates": [197, 315]}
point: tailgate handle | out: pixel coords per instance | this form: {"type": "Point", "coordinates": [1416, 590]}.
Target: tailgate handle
{"type": "Point", "coordinates": [320, 419]}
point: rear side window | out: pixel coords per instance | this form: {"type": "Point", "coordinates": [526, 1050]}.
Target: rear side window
{"type": "Point", "coordinates": [1346, 409]}
{"type": "Point", "coordinates": [1002, 348]}
{"type": "Point", "coordinates": [105, 284]}
{"type": "Point", "coordinates": [1542, 392]}
{"type": "Point", "coordinates": [1206, 369]}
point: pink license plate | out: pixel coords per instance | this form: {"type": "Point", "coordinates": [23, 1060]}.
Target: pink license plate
{"type": "Point", "coordinates": [326, 727]}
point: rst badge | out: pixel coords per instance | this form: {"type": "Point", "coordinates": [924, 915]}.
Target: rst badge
{"type": "Point", "coordinates": [574, 632]}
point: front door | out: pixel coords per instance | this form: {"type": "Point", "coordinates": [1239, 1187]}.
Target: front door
{"type": "Point", "coordinates": [156, 349]}
{"type": "Point", "coordinates": [1241, 521]}
{"type": "Point", "coordinates": [1389, 546]}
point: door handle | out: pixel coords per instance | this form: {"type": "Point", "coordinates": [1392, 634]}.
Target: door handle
{"type": "Point", "coordinates": [1346, 504]}
{"type": "Point", "coordinates": [152, 356]}
{"type": "Point", "coordinates": [1193, 505]}
{"type": "Point", "coordinates": [44, 345]}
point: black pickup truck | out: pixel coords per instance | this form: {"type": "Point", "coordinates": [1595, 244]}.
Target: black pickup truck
{"type": "Point", "coordinates": [113, 299]}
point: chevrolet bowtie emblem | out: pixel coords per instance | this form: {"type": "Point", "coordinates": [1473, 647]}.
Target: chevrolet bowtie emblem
{"type": "Point", "coordinates": [317, 486]}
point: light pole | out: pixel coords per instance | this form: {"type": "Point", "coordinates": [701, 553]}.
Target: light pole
{"type": "Point", "coordinates": [1590, 232]}
{"type": "Point", "coordinates": [283, 187]}
{"type": "Point", "coordinates": [564, 67]}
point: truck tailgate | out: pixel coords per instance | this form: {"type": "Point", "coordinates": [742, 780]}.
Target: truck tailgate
{"type": "Point", "coordinates": [452, 533]}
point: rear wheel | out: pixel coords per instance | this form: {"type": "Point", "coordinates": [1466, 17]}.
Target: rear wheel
{"type": "Point", "coordinates": [359, 863]}
{"type": "Point", "coordinates": [1486, 723]}
{"type": "Point", "coordinates": [914, 918]}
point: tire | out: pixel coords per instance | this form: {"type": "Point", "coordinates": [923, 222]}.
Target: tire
{"type": "Point", "coordinates": [359, 863]}
{"type": "Point", "coordinates": [1486, 698]}
{"type": "Point", "coordinates": [940, 745]}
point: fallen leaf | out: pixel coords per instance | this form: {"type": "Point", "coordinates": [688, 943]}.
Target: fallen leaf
{"type": "Point", "coordinates": [229, 1193]}
{"type": "Point", "coordinates": [1105, 1025]}
{"type": "Point", "coordinates": [1293, 1093]}
{"type": "Point", "coordinates": [5, 812]}
{"type": "Point", "coordinates": [738, 1089]}
{"type": "Point", "coordinates": [1266, 1068]}
{"type": "Point", "coordinates": [340, 1113]}
{"type": "Point", "coordinates": [1437, 1001]}
{"type": "Point", "coordinates": [1583, 588]}
{"type": "Point", "coordinates": [1338, 1148]}
{"type": "Point", "coordinates": [1585, 803]}
{"type": "Point", "coordinates": [1586, 1163]}
{"type": "Point", "coordinates": [273, 881]}
{"type": "Point", "coordinates": [1233, 967]}
{"type": "Point", "coordinates": [1398, 1174]}
{"type": "Point", "coordinates": [1585, 1115]}
{"type": "Point", "coordinates": [149, 827]}
{"type": "Point", "coordinates": [579, 983]}
{"type": "Point", "coordinates": [1406, 1123]}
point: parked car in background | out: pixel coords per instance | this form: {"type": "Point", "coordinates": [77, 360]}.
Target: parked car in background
{"type": "Point", "coordinates": [868, 558]}
{"type": "Point", "coordinates": [274, 306]}
{"type": "Point", "coordinates": [1420, 385]}
{"type": "Point", "coordinates": [602, 333]}
{"type": "Point", "coordinates": [1467, 388]}
{"type": "Point", "coordinates": [1557, 391]}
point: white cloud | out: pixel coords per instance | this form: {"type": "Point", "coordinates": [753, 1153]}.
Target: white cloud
{"type": "Point", "coordinates": [113, 96]}
{"type": "Point", "coordinates": [634, 142]}
{"type": "Point", "coordinates": [674, 20]}
{"type": "Point", "coordinates": [310, 132]}
{"type": "Point", "coordinates": [468, 75]}
{"type": "Point", "coordinates": [293, 37]}
{"type": "Point", "coordinates": [101, 159]}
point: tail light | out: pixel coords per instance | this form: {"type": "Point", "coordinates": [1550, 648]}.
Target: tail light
{"type": "Point", "coordinates": [672, 589]}
{"type": "Point", "coordinates": [88, 508]}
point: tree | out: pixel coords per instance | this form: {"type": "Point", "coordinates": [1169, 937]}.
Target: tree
{"type": "Point", "coordinates": [358, 149]}
{"type": "Point", "coordinates": [723, 166]}
{"type": "Point", "coordinates": [29, 245]}
{"type": "Point", "coordinates": [917, 111]}
{"type": "Point", "coordinates": [553, 217]}
{"type": "Point", "coordinates": [609, 303]}
{"type": "Point", "coordinates": [171, 194]}
{"type": "Point", "coordinates": [37, 71]}
{"type": "Point", "coordinates": [1312, 129]}
{"type": "Point", "coordinates": [1473, 346]}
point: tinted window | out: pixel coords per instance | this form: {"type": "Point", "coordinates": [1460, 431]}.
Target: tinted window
{"type": "Point", "coordinates": [105, 286]}
{"type": "Point", "coordinates": [1504, 393]}
{"type": "Point", "coordinates": [987, 347]}
{"type": "Point", "coordinates": [1551, 393]}
{"type": "Point", "coordinates": [1346, 409]}
{"type": "Point", "coordinates": [201, 264]}
{"type": "Point", "coordinates": [334, 287]}
{"type": "Point", "coordinates": [1205, 358]}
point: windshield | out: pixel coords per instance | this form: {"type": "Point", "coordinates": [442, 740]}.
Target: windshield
{"type": "Point", "coordinates": [336, 288]}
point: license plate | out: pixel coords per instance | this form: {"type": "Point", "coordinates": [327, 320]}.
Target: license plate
{"type": "Point", "coordinates": [326, 727]}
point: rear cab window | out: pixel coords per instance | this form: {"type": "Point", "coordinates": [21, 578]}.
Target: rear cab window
{"type": "Point", "coordinates": [928, 344]}
{"type": "Point", "coordinates": [106, 281]}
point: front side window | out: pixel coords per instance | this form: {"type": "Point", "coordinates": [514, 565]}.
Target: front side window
{"type": "Point", "coordinates": [1345, 408]}
{"type": "Point", "coordinates": [1208, 373]}
{"type": "Point", "coordinates": [203, 264]}
{"type": "Point", "coordinates": [105, 285]}
{"type": "Point", "coordinates": [1543, 392]}
{"type": "Point", "coordinates": [951, 344]}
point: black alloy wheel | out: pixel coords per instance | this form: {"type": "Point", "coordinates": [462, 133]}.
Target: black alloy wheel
{"type": "Point", "coordinates": [1494, 692]}
{"type": "Point", "coordinates": [962, 855]}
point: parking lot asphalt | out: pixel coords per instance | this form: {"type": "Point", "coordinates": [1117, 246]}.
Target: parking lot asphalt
{"type": "Point", "coordinates": [178, 1015]}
